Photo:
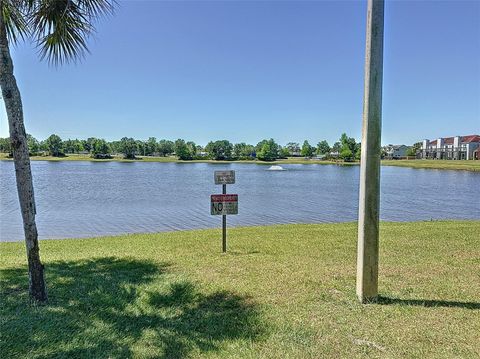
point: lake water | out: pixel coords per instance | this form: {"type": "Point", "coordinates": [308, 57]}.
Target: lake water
{"type": "Point", "coordinates": [82, 199]}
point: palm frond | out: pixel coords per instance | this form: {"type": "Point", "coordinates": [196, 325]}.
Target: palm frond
{"type": "Point", "coordinates": [97, 8]}
{"type": "Point", "coordinates": [13, 13]}
{"type": "Point", "coordinates": [61, 28]}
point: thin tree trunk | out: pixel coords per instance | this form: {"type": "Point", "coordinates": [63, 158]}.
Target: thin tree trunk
{"type": "Point", "coordinates": [23, 173]}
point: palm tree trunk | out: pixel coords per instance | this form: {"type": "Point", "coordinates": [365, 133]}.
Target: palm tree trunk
{"type": "Point", "coordinates": [13, 105]}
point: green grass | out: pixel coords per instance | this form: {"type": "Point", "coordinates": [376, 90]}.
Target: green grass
{"type": "Point", "coordinates": [284, 291]}
{"type": "Point", "coordinates": [465, 165]}
{"type": "Point", "coordinates": [81, 157]}
{"type": "Point", "coordinates": [426, 164]}
{"type": "Point", "coordinates": [78, 157]}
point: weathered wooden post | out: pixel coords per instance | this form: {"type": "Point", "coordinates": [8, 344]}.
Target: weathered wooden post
{"type": "Point", "coordinates": [369, 201]}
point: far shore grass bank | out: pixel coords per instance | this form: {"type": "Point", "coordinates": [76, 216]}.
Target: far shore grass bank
{"type": "Point", "coordinates": [173, 159]}
{"type": "Point", "coordinates": [285, 291]}
{"type": "Point", "coordinates": [463, 165]}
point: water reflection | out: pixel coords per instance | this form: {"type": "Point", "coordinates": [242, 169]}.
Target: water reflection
{"type": "Point", "coordinates": [79, 199]}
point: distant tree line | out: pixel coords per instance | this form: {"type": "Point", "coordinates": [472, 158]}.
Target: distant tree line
{"type": "Point", "coordinates": [266, 150]}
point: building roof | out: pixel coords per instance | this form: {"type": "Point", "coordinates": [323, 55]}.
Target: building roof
{"type": "Point", "coordinates": [464, 139]}
{"type": "Point", "coordinates": [446, 141]}
{"type": "Point", "coordinates": [395, 147]}
{"type": "Point", "coordinates": [471, 138]}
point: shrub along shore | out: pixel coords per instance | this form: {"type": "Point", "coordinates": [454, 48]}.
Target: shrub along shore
{"type": "Point", "coordinates": [285, 291]}
{"type": "Point", "coordinates": [464, 165]}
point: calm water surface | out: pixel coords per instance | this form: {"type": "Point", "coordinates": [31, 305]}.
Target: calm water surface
{"type": "Point", "coordinates": [81, 199]}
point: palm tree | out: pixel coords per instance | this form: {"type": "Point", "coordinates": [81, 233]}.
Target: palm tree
{"type": "Point", "coordinates": [60, 29]}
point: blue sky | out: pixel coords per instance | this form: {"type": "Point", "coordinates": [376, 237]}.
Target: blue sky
{"type": "Point", "coordinates": [245, 71]}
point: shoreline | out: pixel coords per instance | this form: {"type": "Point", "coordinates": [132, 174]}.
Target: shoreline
{"type": "Point", "coordinates": [459, 165]}
{"type": "Point", "coordinates": [140, 159]}
{"type": "Point", "coordinates": [238, 228]}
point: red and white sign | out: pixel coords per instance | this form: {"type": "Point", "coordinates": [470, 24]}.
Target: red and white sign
{"type": "Point", "coordinates": [224, 197]}
{"type": "Point", "coordinates": [223, 204]}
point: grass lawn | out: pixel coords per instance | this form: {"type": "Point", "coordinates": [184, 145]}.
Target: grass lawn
{"type": "Point", "coordinates": [80, 157]}
{"type": "Point", "coordinates": [428, 164]}
{"type": "Point", "coordinates": [284, 291]}
{"type": "Point", "coordinates": [470, 165]}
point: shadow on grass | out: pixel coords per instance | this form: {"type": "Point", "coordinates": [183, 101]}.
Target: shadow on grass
{"type": "Point", "coordinates": [428, 303]}
{"type": "Point", "coordinates": [120, 308]}
{"type": "Point", "coordinates": [242, 253]}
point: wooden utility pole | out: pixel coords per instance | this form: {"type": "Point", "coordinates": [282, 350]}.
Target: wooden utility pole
{"type": "Point", "coordinates": [369, 201]}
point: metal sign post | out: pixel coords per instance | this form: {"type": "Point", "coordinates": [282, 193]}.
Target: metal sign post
{"type": "Point", "coordinates": [224, 224]}
{"type": "Point", "coordinates": [224, 204]}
